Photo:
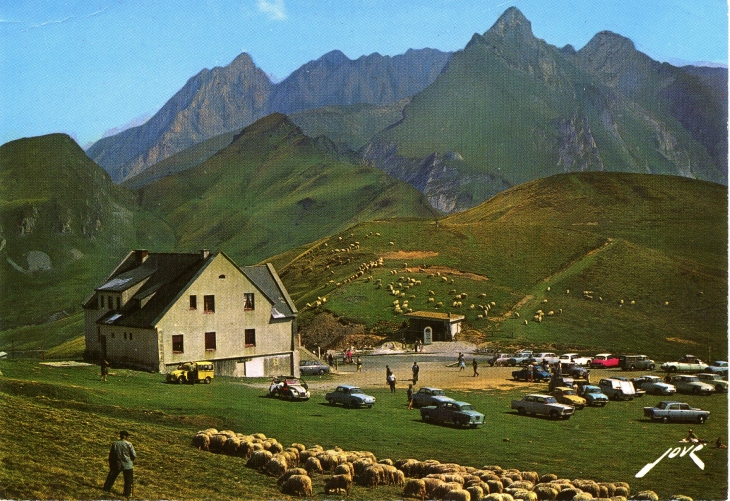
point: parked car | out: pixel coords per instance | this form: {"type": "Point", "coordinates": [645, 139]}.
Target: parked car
{"type": "Point", "coordinates": [289, 388]}
{"type": "Point", "coordinates": [688, 363]}
{"type": "Point", "coordinates": [502, 360]}
{"type": "Point", "coordinates": [557, 381]}
{"type": "Point", "coordinates": [349, 396]}
{"type": "Point", "coordinates": [519, 357]}
{"type": "Point", "coordinates": [498, 359]}
{"type": "Point", "coordinates": [545, 356]}
{"type": "Point", "coordinates": [574, 371]}
{"type": "Point", "coordinates": [429, 396]}
{"type": "Point", "coordinates": [568, 396]}
{"type": "Point", "coordinates": [636, 363]}
{"type": "Point", "coordinates": [666, 411]}
{"type": "Point", "coordinates": [192, 372]}
{"type": "Point", "coordinates": [593, 395]}
{"type": "Point", "coordinates": [545, 405]}
{"type": "Point", "coordinates": [604, 361]}
{"type": "Point", "coordinates": [313, 367]}
{"type": "Point", "coordinates": [654, 385]}
{"type": "Point", "coordinates": [538, 374]}
{"type": "Point", "coordinates": [719, 367]}
{"type": "Point", "coordinates": [452, 412]}
{"type": "Point", "coordinates": [638, 392]}
{"type": "Point", "coordinates": [574, 358]}
{"type": "Point", "coordinates": [714, 379]}
{"type": "Point", "coordinates": [687, 383]}
{"type": "Point", "coordinates": [617, 389]}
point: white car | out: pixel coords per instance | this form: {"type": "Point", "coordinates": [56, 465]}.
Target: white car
{"type": "Point", "coordinates": [654, 385]}
{"type": "Point", "coordinates": [574, 358]}
{"type": "Point", "coordinates": [686, 383]}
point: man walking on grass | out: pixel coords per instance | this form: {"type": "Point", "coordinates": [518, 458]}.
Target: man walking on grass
{"type": "Point", "coordinates": [121, 460]}
{"type": "Point", "coordinates": [475, 365]}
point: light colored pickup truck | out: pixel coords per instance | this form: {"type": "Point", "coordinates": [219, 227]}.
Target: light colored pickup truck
{"type": "Point", "coordinates": [688, 363]}
{"type": "Point", "coordinates": [545, 405]}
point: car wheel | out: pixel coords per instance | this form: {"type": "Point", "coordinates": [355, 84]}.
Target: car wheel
{"type": "Point", "coordinates": [696, 391]}
{"type": "Point", "coordinates": [701, 419]}
{"type": "Point", "coordinates": [207, 380]}
{"type": "Point", "coordinates": [424, 417]}
{"type": "Point", "coordinates": [673, 369]}
{"type": "Point", "coordinates": [180, 380]}
{"type": "Point", "coordinates": [513, 363]}
{"type": "Point", "coordinates": [665, 419]}
{"type": "Point", "coordinates": [632, 367]}
{"type": "Point", "coordinates": [321, 372]}
{"type": "Point", "coordinates": [602, 404]}
{"type": "Point", "coordinates": [346, 405]}
{"type": "Point", "coordinates": [331, 401]}
{"type": "Point", "coordinates": [554, 415]}
{"type": "Point", "coordinates": [521, 410]}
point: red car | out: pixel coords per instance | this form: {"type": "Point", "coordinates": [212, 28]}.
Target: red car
{"type": "Point", "coordinates": [604, 361]}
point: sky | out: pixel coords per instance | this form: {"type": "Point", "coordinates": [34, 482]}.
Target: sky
{"type": "Point", "coordinates": [87, 67]}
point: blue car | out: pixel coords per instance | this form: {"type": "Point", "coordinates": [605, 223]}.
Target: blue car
{"type": "Point", "coordinates": [537, 375]}
{"type": "Point", "coordinates": [593, 395]}
{"type": "Point", "coordinates": [349, 396]}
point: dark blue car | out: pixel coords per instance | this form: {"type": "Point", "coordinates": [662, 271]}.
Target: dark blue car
{"type": "Point", "coordinates": [537, 375]}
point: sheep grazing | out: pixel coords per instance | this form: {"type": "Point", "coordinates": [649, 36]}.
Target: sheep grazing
{"type": "Point", "coordinates": [415, 488]}
{"type": "Point", "coordinates": [201, 441]}
{"type": "Point", "coordinates": [646, 496]}
{"type": "Point", "coordinates": [337, 483]}
{"type": "Point", "coordinates": [458, 495]}
{"type": "Point", "coordinates": [297, 485]}
{"type": "Point", "coordinates": [312, 465]}
{"type": "Point", "coordinates": [289, 473]}
{"type": "Point", "coordinates": [259, 459]}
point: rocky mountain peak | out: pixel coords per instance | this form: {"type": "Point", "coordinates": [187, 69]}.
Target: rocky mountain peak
{"type": "Point", "coordinates": [609, 43]}
{"type": "Point", "coordinates": [512, 24]}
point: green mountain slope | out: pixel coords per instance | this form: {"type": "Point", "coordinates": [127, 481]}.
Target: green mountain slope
{"type": "Point", "coordinates": [512, 108]}
{"type": "Point", "coordinates": [625, 262]}
{"type": "Point", "coordinates": [271, 189]}
{"type": "Point", "coordinates": [63, 223]}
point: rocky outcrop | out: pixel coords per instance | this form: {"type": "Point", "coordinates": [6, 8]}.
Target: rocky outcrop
{"type": "Point", "coordinates": [577, 148]}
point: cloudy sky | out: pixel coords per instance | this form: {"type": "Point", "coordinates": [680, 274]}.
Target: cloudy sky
{"type": "Point", "coordinates": [85, 67]}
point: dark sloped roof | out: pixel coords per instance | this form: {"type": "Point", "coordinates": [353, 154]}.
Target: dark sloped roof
{"type": "Point", "coordinates": [267, 280]}
{"type": "Point", "coordinates": [168, 274]}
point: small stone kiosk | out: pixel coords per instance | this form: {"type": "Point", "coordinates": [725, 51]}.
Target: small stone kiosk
{"type": "Point", "coordinates": [429, 326]}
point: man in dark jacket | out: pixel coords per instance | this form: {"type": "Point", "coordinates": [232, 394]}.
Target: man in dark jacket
{"type": "Point", "coordinates": [121, 460]}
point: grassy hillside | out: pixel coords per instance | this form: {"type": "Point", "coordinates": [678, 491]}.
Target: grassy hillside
{"type": "Point", "coordinates": [350, 125]}
{"type": "Point", "coordinates": [271, 189]}
{"type": "Point", "coordinates": [66, 417]}
{"type": "Point", "coordinates": [63, 224]}
{"type": "Point", "coordinates": [624, 262]}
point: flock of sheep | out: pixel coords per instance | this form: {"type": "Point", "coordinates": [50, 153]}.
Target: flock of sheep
{"type": "Point", "coordinates": [295, 467]}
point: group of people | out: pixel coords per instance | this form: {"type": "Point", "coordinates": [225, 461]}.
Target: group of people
{"type": "Point", "coordinates": [462, 364]}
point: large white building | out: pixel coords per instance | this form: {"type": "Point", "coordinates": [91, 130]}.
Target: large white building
{"type": "Point", "coordinates": [156, 310]}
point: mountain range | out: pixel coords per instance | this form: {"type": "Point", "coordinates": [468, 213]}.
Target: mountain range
{"type": "Point", "coordinates": [461, 127]}
{"type": "Point", "coordinates": [223, 99]}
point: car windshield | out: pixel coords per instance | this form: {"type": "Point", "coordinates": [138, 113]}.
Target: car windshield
{"type": "Point", "coordinates": [467, 407]}
{"type": "Point", "coordinates": [438, 392]}
{"type": "Point", "coordinates": [355, 390]}
{"type": "Point", "coordinates": [568, 392]}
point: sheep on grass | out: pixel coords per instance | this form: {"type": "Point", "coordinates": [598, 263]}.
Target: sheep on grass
{"type": "Point", "coordinates": [415, 488]}
{"type": "Point", "coordinates": [297, 485]}
{"type": "Point", "coordinates": [289, 473]}
{"type": "Point", "coordinates": [337, 483]}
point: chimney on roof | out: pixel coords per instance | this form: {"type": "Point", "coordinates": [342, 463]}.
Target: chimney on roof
{"type": "Point", "coordinates": [204, 253]}
{"type": "Point", "coordinates": [141, 255]}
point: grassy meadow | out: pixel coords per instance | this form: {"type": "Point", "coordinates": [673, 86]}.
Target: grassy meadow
{"type": "Point", "coordinates": [64, 419]}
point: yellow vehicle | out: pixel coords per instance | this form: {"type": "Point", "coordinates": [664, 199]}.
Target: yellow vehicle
{"type": "Point", "coordinates": [192, 372]}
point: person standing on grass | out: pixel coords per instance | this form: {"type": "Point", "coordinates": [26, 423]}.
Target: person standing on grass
{"type": "Point", "coordinates": [461, 361]}
{"type": "Point", "coordinates": [121, 460]}
{"type": "Point", "coordinates": [475, 365]}
{"type": "Point", "coordinates": [104, 369]}
{"type": "Point", "coordinates": [410, 397]}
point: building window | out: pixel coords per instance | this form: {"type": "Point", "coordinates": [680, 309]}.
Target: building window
{"type": "Point", "coordinates": [119, 304]}
{"type": "Point", "coordinates": [193, 302]}
{"type": "Point", "coordinates": [221, 277]}
{"type": "Point", "coordinates": [248, 300]}
{"type": "Point", "coordinates": [249, 337]}
{"type": "Point", "coordinates": [130, 336]}
{"type": "Point", "coordinates": [125, 336]}
{"type": "Point", "coordinates": [209, 304]}
{"type": "Point", "coordinates": [177, 343]}
{"type": "Point", "coordinates": [210, 341]}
